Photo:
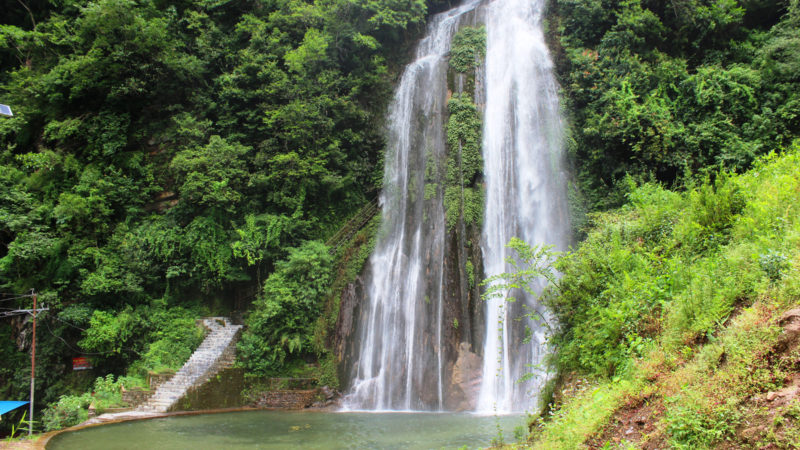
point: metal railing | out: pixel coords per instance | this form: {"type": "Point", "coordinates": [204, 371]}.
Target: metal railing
{"type": "Point", "coordinates": [353, 226]}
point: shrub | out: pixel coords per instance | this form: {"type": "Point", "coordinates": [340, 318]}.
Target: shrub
{"type": "Point", "coordinates": [281, 322]}
{"type": "Point", "coordinates": [107, 393]}
{"type": "Point", "coordinates": [164, 337]}
{"type": "Point", "coordinates": [690, 426]}
{"type": "Point", "coordinates": [468, 48]}
{"type": "Point", "coordinates": [773, 264]}
{"type": "Point", "coordinates": [68, 411]}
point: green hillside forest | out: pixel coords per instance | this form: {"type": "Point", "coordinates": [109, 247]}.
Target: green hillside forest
{"type": "Point", "coordinates": [168, 161]}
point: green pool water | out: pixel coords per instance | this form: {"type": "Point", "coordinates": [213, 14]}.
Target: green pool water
{"type": "Point", "coordinates": [288, 430]}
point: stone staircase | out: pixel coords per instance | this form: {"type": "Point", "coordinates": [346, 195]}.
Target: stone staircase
{"type": "Point", "coordinates": [218, 351]}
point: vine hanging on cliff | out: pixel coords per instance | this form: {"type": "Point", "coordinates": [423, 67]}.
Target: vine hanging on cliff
{"type": "Point", "coordinates": [464, 162]}
{"type": "Point", "coordinates": [468, 49]}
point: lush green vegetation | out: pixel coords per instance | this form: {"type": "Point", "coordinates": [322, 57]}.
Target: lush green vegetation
{"type": "Point", "coordinates": [142, 340]}
{"type": "Point", "coordinates": [350, 261]}
{"type": "Point", "coordinates": [463, 195]}
{"type": "Point", "coordinates": [282, 321]}
{"type": "Point", "coordinates": [673, 300]}
{"type": "Point", "coordinates": [468, 49]}
{"type": "Point", "coordinates": [73, 409]}
{"type": "Point", "coordinates": [666, 90]}
{"type": "Point", "coordinates": [165, 159]}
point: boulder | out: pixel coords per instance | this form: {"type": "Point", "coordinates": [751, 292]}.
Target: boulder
{"type": "Point", "coordinates": [466, 380]}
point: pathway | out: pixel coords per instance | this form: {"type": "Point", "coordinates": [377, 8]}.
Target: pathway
{"type": "Point", "coordinates": [217, 352]}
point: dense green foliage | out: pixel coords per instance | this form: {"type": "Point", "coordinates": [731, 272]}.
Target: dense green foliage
{"type": "Point", "coordinates": [655, 285]}
{"type": "Point", "coordinates": [147, 338]}
{"type": "Point", "coordinates": [668, 307]}
{"type": "Point", "coordinates": [164, 157]}
{"type": "Point", "coordinates": [661, 89]}
{"type": "Point", "coordinates": [664, 256]}
{"type": "Point", "coordinates": [350, 260]}
{"type": "Point", "coordinates": [282, 320]}
{"type": "Point", "coordinates": [133, 340]}
{"type": "Point", "coordinates": [468, 49]}
{"type": "Point", "coordinates": [68, 411]}
{"type": "Point", "coordinates": [463, 194]}
{"type": "Point", "coordinates": [250, 117]}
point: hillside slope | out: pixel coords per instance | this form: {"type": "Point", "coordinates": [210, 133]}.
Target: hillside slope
{"type": "Point", "coordinates": [680, 320]}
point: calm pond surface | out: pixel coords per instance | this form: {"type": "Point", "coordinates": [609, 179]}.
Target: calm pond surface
{"type": "Point", "coordinates": [285, 430]}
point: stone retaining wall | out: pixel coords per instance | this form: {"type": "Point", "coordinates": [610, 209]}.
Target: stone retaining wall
{"type": "Point", "coordinates": [223, 390]}
{"type": "Point", "coordinates": [287, 399]}
{"type": "Point", "coordinates": [135, 397]}
{"type": "Point", "coordinates": [230, 389]}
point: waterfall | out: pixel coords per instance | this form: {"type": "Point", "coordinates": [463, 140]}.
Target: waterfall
{"type": "Point", "coordinates": [409, 351]}
{"type": "Point", "coordinates": [526, 191]}
{"type": "Point", "coordinates": [400, 365]}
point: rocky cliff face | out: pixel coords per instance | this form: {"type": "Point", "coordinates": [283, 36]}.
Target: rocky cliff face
{"type": "Point", "coordinates": [344, 343]}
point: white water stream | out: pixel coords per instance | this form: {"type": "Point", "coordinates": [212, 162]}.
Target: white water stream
{"type": "Point", "coordinates": [526, 190]}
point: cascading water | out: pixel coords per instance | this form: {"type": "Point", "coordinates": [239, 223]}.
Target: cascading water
{"type": "Point", "coordinates": [526, 190]}
{"type": "Point", "coordinates": [410, 353]}
{"type": "Point", "coordinates": [400, 365]}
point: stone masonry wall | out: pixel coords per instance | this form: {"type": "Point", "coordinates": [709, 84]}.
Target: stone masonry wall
{"type": "Point", "coordinates": [135, 397]}
{"type": "Point", "coordinates": [223, 390]}
{"type": "Point", "coordinates": [287, 399]}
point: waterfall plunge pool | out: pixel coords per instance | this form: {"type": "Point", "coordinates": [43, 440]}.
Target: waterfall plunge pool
{"type": "Point", "coordinates": [295, 429]}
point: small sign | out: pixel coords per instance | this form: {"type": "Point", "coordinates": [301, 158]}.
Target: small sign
{"type": "Point", "coordinates": [81, 363]}
{"type": "Point", "coordinates": [5, 110]}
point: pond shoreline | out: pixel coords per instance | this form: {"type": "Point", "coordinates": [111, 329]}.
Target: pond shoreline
{"type": "Point", "coordinates": [130, 416]}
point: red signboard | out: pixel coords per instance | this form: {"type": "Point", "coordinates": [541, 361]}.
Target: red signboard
{"type": "Point", "coordinates": [81, 363]}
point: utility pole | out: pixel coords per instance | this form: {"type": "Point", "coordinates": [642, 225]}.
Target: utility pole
{"type": "Point", "coordinates": [33, 313]}
{"type": "Point", "coordinates": [33, 365]}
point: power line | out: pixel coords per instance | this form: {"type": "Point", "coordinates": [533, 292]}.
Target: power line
{"type": "Point", "coordinates": [11, 314]}
{"type": "Point", "coordinates": [19, 312]}
{"type": "Point", "coordinates": [31, 311]}
{"type": "Point", "coordinates": [70, 324]}
{"type": "Point", "coordinates": [79, 351]}
{"type": "Point", "coordinates": [24, 311]}
{"type": "Point", "coordinates": [15, 298]}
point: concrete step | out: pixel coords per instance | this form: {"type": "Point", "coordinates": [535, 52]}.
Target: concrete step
{"type": "Point", "coordinates": [213, 354]}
